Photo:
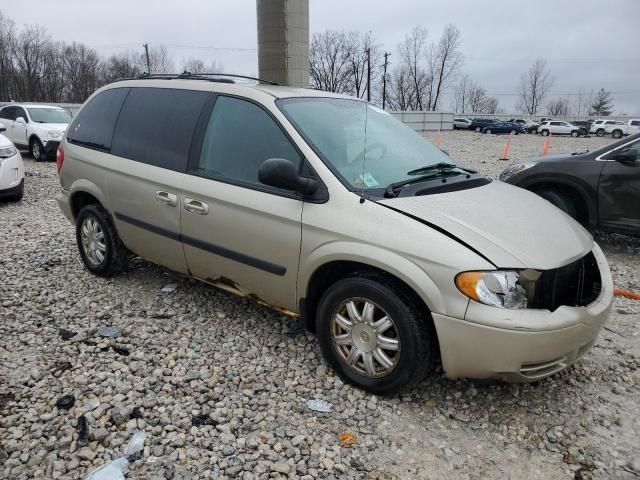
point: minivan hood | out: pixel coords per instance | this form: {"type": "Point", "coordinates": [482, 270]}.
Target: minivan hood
{"type": "Point", "coordinates": [510, 226]}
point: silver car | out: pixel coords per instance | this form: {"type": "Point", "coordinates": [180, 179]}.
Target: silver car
{"type": "Point", "coordinates": [325, 207]}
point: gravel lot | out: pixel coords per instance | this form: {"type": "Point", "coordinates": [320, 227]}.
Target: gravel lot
{"type": "Point", "coordinates": [219, 385]}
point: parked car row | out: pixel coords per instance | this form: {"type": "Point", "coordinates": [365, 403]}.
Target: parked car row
{"type": "Point", "coordinates": [547, 126]}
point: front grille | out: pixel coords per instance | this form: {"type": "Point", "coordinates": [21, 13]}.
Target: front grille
{"type": "Point", "coordinates": [574, 285]}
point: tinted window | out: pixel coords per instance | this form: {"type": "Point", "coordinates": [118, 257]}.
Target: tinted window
{"type": "Point", "coordinates": [93, 126]}
{"type": "Point", "coordinates": [21, 113]}
{"type": "Point", "coordinates": [558, 124]}
{"type": "Point", "coordinates": [8, 112]}
{"type": "Point", "coordinates": [239, 137]}
{"type": "Point", "coordinates": [156, 126]}
{"type": "Point", "coordinates": [635, 123]}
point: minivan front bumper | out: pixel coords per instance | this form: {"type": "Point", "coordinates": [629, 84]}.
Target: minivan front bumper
{"type": "Point", "coordinates": [522, 345]}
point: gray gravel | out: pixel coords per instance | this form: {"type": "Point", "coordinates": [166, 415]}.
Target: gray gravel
{"type": "Point", "coordinates": [220, 384]}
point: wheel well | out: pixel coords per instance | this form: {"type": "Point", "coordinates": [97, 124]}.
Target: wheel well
{"type": "Point", "coordinates": [79, 200]}
{"type": "Point", "coordinates": [582, 209]}
{"type": "Point", "coordinates": [331, 272]}
{"type": "Point", "coordinates": [34, 136]}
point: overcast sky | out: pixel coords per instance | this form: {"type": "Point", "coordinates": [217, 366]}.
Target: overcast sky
{"type": "Point", "coordinates": [588, 43]}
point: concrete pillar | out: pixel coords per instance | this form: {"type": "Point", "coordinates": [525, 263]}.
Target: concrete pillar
{"type": "Point", "coordinates": [283, 41]}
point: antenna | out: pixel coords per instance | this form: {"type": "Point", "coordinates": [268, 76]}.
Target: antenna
{"type": "Point", "coordinates": [364, 150]}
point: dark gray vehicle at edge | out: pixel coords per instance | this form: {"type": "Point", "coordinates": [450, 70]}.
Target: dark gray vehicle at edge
{"type": "Point", "coordinates": [600, 188]}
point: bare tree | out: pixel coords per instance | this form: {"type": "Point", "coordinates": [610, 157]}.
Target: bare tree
{"type": "Point", "coordinates": [448, 60]}
{"type": "Point", "coordinates": [329, 62]}
{"type": "Point", "coordinates": [602, 104]}
{"type": "Point", "coordinates": [414, 53]}
{"type": "Point", "coordinates": [558, 107]}
{"type": "Point", "coordinates": [123, 65]}
{"type": "Point", "coordinates": [401, 90]}
{"type": "Point", "coordinates": [582, 103]}
{"type": "Point", "coordinates": [472, 98]}
{"type": "Point", "coordinates": [361, 48]}
{"type": "Point", "coordinates": [29, 55]}
{"type": "Point", "coordinates": [160, 60]}
{"type": "Point", "coordinates": [196, 65]}
{"type": "Point", "coordinates": [534, 86]}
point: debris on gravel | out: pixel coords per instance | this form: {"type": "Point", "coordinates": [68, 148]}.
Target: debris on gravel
{"type": "Point", "coordinates": [219, 385]}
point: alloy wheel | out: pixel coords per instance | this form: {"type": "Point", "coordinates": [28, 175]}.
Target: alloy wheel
{"type": "Point", "coordinates": [93, 244]}
{"type": "Point", "coordinates": [365, 337]}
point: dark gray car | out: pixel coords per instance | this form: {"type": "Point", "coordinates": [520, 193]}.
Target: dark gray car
{"type": "Point", "coordinates": [601, 188]}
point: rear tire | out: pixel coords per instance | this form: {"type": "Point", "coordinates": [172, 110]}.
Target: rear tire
{"type": "Point", "coordinates": [488, 131]}
{"type": "Point", "coordinates": [563, 202]}
{"type": "Point", "coordinates": [409, 327]}
{"type": "Point", "coordinates": [36, 149]}
{"type": "Point", "coordinates": [575, 133]}
{"type": "Point", "coordinates": [600, 132]}
{"type": "Point", "coordinates": [101, 250]}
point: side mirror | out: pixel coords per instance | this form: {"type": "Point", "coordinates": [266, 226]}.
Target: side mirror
{"type": "Point", "coordinates": [281, 173]}
{"type": "Point", "coordinates": [626, 155]}
{"type": "Point", "coordinates": [21, 120]}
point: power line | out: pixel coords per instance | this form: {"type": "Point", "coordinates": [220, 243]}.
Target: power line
{"type": "Point", "coordinates": [562, 94]}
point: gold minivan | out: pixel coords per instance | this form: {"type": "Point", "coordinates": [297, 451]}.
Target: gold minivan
{"type": "Point", "coordinates": [326, 207]}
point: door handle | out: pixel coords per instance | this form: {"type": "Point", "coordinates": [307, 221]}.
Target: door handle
{"type": "Point", "coordinates": [167, 198]}
{"type": "Point", "coordinates": [196, 206]}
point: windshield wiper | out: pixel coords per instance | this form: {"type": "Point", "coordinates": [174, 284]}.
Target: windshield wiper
{"type": "Point", "coordinates": [392, 189]}
{"type": "Point", "coordinates": [440, 167]}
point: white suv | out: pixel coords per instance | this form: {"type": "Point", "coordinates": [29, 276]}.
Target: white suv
{"type": "Point", "coordinates": [36, 127]}
{"type": "Point", "coordinates": [11, 170]}
{"type": "Point", "coordinates": [599, 126]}
{"type": "Point", "coordinates": [558, 127]}
{"type": "Point", "coordinates": [619, 129]}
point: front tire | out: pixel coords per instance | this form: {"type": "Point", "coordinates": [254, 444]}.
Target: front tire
{"type": "Point", "coordinates": [600, 132]}
{"type": "Point", "coordinates": [488, 131]}
{"type": "Point", "coordinates": [545, 133]}
{"type": "Point", "coordinates": [101, 249]}
{"type": "Point", "coordinates": [36, 149]}
{"type": "Point", "coordinates": [478, 129]}
{"type": "Point", "coordinates": [561, 201]}
{"type": "Point", "coordinates": [574, 133]}
{"type": "Point", "coordinates": [373, 334]}
{"type": "Point", "coordinates": [616, 134]}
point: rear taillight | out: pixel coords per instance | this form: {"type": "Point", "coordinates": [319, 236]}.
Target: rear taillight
{"type": "Point", "coordinates": [59, 158]}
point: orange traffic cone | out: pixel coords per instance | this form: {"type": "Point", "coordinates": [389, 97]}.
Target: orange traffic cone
{"type": "Point", "coordinates": [505, 152]}
{"type": "Point", "coordinates": [547, 144]}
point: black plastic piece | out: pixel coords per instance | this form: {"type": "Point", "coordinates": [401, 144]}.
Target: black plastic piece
{"type": "Point", "coordinates": [282, 173]}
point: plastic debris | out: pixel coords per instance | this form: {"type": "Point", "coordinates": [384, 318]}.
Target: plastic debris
{"type": "Point", "coordinates": [110, 471]}
{"type": "Point", "coordinates": [83, 432]}
{"type": "Point", "coordinates": [347, 439]}
{"type": "Point", "coordinates": [135, 446]}
{"type": "Point", "coordinates": [60, 367]}
{"type": "Point", "coordinates": [65, 402]}
{"type": "Point", "coordinates": [200, 420]}
{"type": "Point", "coordinates": [120, 350]}
{"type": "Point", "coordinates": [109, 331]}
{"type": "Point", "coordinates": [170, 287]}
{"type": "Point", "coordinates": [114, 470]}
{"type": "Point", "coordinates": [319, 406]}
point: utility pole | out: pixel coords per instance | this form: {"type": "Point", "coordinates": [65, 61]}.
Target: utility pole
{"type": "Point", "coordinates": [384, 80]}
{"type": "Point", "coordinates": [146, 51]}
{"type": "Point", "coordinates": [368, 74]}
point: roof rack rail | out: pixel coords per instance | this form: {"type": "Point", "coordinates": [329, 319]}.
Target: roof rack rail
{"type": "Point", "coordinates": [222, 77]}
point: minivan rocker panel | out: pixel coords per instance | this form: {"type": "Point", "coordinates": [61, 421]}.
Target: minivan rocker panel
{"type": "Point", "coordinates": [472, 215]}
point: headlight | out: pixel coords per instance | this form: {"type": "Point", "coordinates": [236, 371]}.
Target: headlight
{"type": "Point", "coordinates": [514, 169]}
{"type": "Point", "coordinates": [500, 288]}
{"type": "Point", "coordinates": [6, 152]}
{"type": "Point", "coordinates": [53, 133]}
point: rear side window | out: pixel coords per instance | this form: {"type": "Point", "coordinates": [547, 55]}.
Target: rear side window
{"type": "Point", "coordinates": [156, 126]}
{"type": "Point", "coordinates": [8, 113]}
{"type": "Point", "coordinates": [635, 123]}
{"type": "Point", "coordinates": [239, 137]}
{"type": "Point", "coordinates": [93, 126]}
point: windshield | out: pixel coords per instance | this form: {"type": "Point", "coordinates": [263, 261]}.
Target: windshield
{"type": "Point", "coordinates": [49, 115]}
{"type": "Point", "coordinates": [364, 145]}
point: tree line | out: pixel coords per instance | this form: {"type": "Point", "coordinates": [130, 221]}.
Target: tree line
{"type": "Point", "coordinates": [421, 73]}
{"type": "Point", "coordinates": [36, 68]}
